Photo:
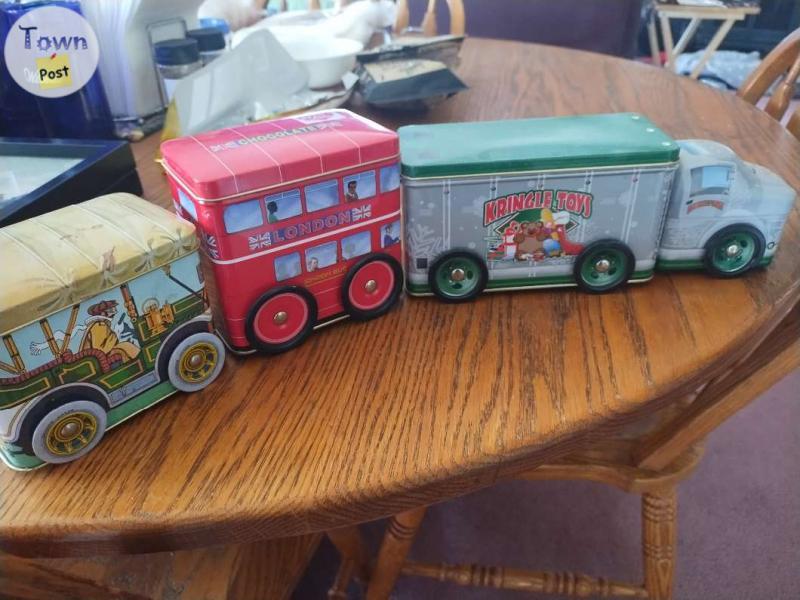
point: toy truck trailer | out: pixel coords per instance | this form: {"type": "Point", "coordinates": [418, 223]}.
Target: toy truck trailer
{"type": "Point", "coordinates": [577, 201]}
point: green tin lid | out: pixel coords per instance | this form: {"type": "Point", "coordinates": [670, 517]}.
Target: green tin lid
{"type": "Point", "coordinates": [586, 141]}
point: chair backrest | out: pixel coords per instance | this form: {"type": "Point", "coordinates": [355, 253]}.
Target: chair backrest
{"type": "Point", "coordinates": [456, 8]}
{"type": "Point", "coordinates": [782, 63]}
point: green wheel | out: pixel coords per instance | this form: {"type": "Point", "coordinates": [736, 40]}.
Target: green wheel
{"type": "Point", "coordinates": [603, 265]}
{"type": "Point", "coordinates": [458, 276]}
{"type": "Point", "coordinates": [733, 250]}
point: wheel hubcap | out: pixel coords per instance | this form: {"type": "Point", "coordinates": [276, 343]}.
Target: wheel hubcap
{"type": "Point", "coordinates": [602, 265]}
{"type": "Point", "coordinates": [734, 252]}
{"type": "Point", "coordinates": [458, 276]}
{"type": "Point", "coordinates": [71, 433]}
{"type": "Point", "coordinates": [280, 317]}
{"type": "Point", "coordinates": [606, 267]}
{"type": "Point", "coordinates": [198, 362]}
{"type": "Point", "coordinates": [370, 286]}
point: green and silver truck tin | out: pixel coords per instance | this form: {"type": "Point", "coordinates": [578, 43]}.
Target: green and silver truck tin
{"type": "Point", "coordinates": [567, 201]}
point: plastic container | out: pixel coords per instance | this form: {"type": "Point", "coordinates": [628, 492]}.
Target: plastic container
{"type": "Point", "coordinates": [210, 42]}
{"type": "Point", "coordinates": [221, 24]}
{"type": "Point", "coordinates": [175, 59]}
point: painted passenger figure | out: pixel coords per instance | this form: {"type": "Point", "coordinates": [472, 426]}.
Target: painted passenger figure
{"type": "Point", "coordinates": [272, 210]}
{"type": "Point", "coordinates": [351, 195]}
{"type": "Point", "coordinates": [101, 332]}
{"type": "Point", "coordinates": [389, 236]}
{"type": "Point", "coordinates": [313, 264]}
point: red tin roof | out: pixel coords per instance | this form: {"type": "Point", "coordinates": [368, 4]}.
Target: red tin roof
{"type": "Point", "coordinates": [240, 160]}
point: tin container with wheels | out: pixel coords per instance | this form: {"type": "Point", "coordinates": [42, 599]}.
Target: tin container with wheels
{"type": "Point", "coordinates": [102, 314]}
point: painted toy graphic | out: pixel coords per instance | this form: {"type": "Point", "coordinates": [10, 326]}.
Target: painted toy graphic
{"type": "Point", "coordinates": [595, 201]}
{"type": "Point", "coordinates": [130, 328]}
{"type": "Point", "coordinates": [545, 236]}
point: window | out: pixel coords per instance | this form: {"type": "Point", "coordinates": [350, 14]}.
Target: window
{"type": "Point", "coordinates": [187, 205]}
{"type": "Point", "coordinates": [390, 234]}
{"type": "Point", "coordinates": [359, 186]}
{"type": "Point", "coordinates": [287, 266]}
{"type": "Point", "coordinates": [244, 215]}
{"type": "Point", "coordinates": [322, 195]}
{"type": "Point", "coordinates": [283, 205]}
{"type": "Point", "coordinates": [356, 245]}
{"type": "Point", "coordinates": [710, 180]}
{"type": "Point", "coordinates": [390, 178]}
{"type": "Point", "coordinates": [320, 257]}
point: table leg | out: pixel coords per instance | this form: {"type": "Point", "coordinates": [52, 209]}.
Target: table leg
{"type": "Point", "coordinates": [687, 35]}
{"type": "Point", "coordinates": [669, 48]}
{"type": "Point", "coordinates": [652, 36]}
{"type": "Point", "coordinates": [397, 540]}
{"type": "Point", "coordinates": [723, 30]}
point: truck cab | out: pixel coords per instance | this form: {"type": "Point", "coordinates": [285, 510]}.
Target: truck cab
{"type": "Point", "coordinates": [725, 214]}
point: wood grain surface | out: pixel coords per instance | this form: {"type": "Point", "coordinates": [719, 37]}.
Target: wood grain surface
{"type": "Point", "coordinates": [432, 400]}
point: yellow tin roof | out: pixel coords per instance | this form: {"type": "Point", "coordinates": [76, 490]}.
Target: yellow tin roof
{"type": "Point", "coordinates": [61, 258]}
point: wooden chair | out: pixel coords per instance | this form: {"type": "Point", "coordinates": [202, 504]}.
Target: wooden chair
{"type": "Point", "coordinates": [646, 459]}
{"type": "Point", "coordinates": [456, 8]}
{"type": "Point", "coordinates": [783, 64]}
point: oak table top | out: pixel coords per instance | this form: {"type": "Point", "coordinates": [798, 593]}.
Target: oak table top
{"type": "Point", "coordinates": [432, 400]}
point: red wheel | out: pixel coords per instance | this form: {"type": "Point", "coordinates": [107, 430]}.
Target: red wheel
{"type": "Point", "coordinates": [281, 319]}
{"type": "Point", "coordinates": [372, 286]}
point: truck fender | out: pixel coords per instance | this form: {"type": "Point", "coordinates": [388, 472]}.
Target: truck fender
{"type": "Point", "coordinates": [735, 217]}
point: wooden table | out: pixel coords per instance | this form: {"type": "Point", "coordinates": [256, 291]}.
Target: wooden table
{"type": "Point", "coordinates": [431, 401]}
{"type": "Point", "coordinates": [727, 16]}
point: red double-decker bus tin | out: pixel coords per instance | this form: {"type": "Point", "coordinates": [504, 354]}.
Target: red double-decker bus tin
{"type": "Point", "coordinates": [299, 220]}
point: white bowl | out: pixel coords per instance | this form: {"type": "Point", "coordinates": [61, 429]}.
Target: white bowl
{"type": "Point", "coordinates": [325, 60]}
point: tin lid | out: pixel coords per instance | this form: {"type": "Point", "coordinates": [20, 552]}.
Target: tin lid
{"type": "Point", "coordinates": [182, 51]}
{"type": "Point", "coordinates": [241, 160]}
{"type": "Point", "coordinates": [586, 141]}
{"type": "Point", "coordinates": [209, 39]}
{"type": "Point", "coordinates": [63, 257]}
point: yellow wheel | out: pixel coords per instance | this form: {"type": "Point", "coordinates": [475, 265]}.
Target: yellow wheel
{"type": "Point", "coordinates": [69, 431]}
{"type": "Point", "coordinates": [196, 361]}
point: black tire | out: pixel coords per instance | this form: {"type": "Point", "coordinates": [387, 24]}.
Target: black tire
{"type": "Point", "coordinates": [621, 258]}
{"type": "Point", "coordinates": [718, 239]}
{"type": "Point", "coordinates": [480, 275]}
{"type": "Point", "coordinates": [269, 348]}
{"type": "Point", "coordinates": [52, 401]}
{"type": "Point", "coordinates": [365, 315]}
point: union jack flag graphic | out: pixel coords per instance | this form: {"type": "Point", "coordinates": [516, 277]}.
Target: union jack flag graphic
{"type": "Point", "coordinates": [259, 241]}
{"type": "Point", "coordinates": [362, 212]}
{"type": "Point", "coordinates": [210, 243]}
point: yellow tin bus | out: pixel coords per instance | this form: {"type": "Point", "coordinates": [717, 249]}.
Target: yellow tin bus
{"type": "Point", "coordinates": [103, 313]}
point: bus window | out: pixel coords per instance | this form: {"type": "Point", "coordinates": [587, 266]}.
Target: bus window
{"type": "Point", "coordinates": [244, 215]}
{"type": "Point", "coordinates": [187, 204]}
{"type": "Point", "coordinates": [356, 245]}
{"type": "Point", "coordinates": [283, 205]}
{"type": "Point", "coordinates": [710, 180]}
{"type": "Point", "coordinates": [390, 178]}
{"type": "Point", "coordinates": [320, 256]}
{"type": "Point", "coordinates": [287, 266]}
{"type": "Point", "coordinates": [359, 186]}
{"type": "Point", "coordinates": [390, 233]}
{"type": "Point", "coordinates": [322, 195]}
